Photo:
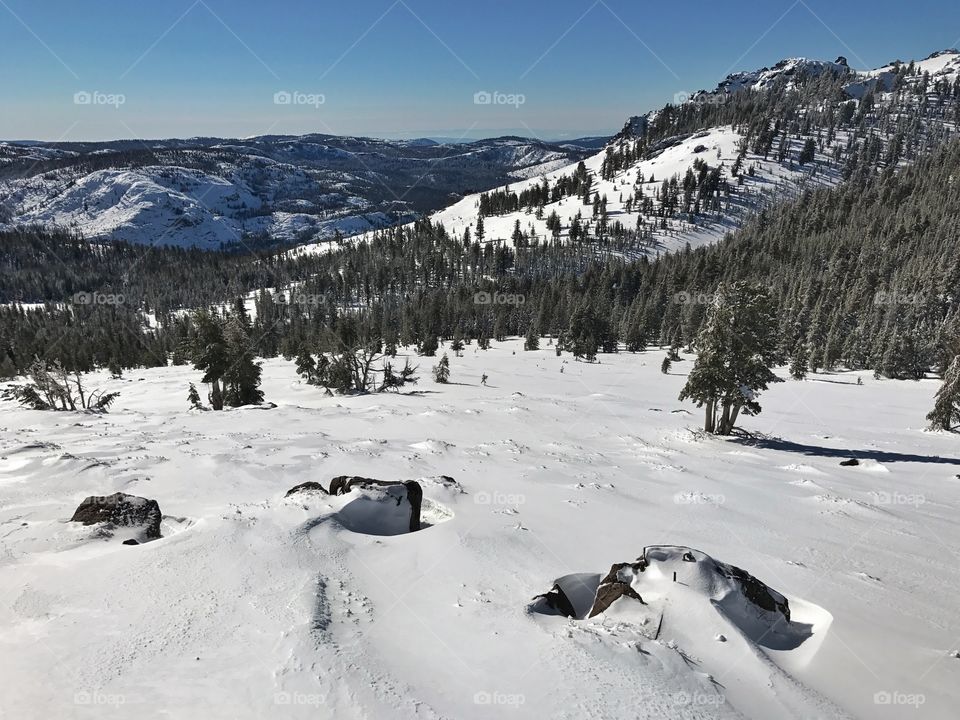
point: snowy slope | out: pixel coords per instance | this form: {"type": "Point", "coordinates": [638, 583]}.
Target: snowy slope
{"type": "Point", "coordinates": [785, 69]}
{"type": "Point", "coordinates": [276, 189]}
{"type": "Point", "coordinates": [716, 146]}
{"type": "Point", "coordinates": [771, 180]}
{"type": "Point", "coordinates": [253, 605]}
{"type": "Point", "coordinates": [171, 205]}
{"type": "Point", "coordinates": [762, 182]}
{"type": "Point", "coordinates": [942, 64]}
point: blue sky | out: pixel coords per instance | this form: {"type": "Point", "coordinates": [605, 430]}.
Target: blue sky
{"type": "Point", "coordinates": [402, 68]}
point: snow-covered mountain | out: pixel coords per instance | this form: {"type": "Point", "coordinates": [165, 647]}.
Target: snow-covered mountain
{"type": "Point", "coordinates": [274, 189]}
{"type": "Point", "coordinates": [889, 114]}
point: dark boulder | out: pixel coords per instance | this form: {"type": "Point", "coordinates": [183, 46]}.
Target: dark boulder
{"type": "Point", "coordinates": [558, 601]}
{"type": "Point", "coordinates": [612, 588]}
{"type": "Point", "coordinates": [341, 484]}
{"type": "Point", "coordinates": [756, 591]}
{"type": "Point", "coordinates": [309, 486]}
{"type": "Point", "coordinates": [120, 510]}
{"type": "Point", "coordinates": [852, 462]}
{"type": "Point", "coordinates": [609, 592]}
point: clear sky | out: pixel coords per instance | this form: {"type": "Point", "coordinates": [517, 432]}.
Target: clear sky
{"type": "Point", "coordinates": [99, 69]}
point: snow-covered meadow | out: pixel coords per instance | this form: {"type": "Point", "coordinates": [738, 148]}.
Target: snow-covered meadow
{"type": "Point", "coordinates": [255, 605]}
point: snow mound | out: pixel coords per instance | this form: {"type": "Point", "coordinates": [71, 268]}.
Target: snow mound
{"type": "Point", "coordinates": [705, 612]}
{"type": "Point", "coordinates": [389, 509]}
{"type": "Point", "coordinates": [708, 597]}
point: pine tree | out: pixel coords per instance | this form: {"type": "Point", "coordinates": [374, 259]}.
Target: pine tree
{"type": "Point", "coordinates": [7, 368]}
{"type": "Point", "coordinates": [241, 379]}
{"type": "Point", "coordinates": [193, 397]}
{"type": "Point", "coordinates": [800, 362]}
{"type": "Point", "coordinates": [532, 339]}
{"type": "Point", "coordinates": [441, 371]}
{"type": "Point", "coordinates": [306, 366]}
{"type": "Point", "coordinates": [209, 353]}
{"type": "Point", "coordinates": [393, 381]}
{"type": "Point", "coordinates": [946, 408]}
{"type": "Point", "coordinates": [428, 346]}
{"type": "Point", "coordinates": [736, 351]}
{"type": "Point", "coordinates": [457, 343]}
{"type": "Point", "coordinates": [675, 344]}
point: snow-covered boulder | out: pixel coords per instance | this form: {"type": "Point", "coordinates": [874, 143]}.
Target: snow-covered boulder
{"type": "Point", "coordinates": [381, 507]}
{"type": "Point", "coordinates": [120, 510]}
{"type": "Point", "coordinates": [687, 580]}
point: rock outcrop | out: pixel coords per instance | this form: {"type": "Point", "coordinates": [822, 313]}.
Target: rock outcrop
{"type": "Point", "coordinates": [120, 510]}
{"type": "Point", "coordinates": [309, 486]}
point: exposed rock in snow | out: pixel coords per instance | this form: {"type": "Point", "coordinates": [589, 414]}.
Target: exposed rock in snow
{"type": "Point", "coordinates": [381, 509]}
{"type": "Point", "coordinates": [308, 487]}
{"type": "Point", "coordinates": [613, 587]}
{"type": "Point", "coordinates": [120, 510]}
{"type": "Point", "coordinates": [789, 69]}
{"type": "Point", "coordinates": [659, 565]}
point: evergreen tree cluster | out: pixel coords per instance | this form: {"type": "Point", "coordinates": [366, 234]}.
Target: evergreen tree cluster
{"type": "Point", "coordinates": [862, 276]}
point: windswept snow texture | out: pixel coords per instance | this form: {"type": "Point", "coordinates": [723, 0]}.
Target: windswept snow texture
{"type": "Point", "coordinates": [255, 605]}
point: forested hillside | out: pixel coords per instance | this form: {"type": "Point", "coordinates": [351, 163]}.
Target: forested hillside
{"type": "Point", "coordinates": [863, 276]}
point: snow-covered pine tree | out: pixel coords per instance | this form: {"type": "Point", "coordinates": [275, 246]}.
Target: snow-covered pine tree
{"type": "Point", "coordinates": [800, 362]}
{"type": "Point", "coordinates": [532, 339]}
{"type": "Point", "coordinates": [428, 346]}
{"type": "Point", "coordinates": [241, 379]}
{"type": "Point", "coordinates": [441, 371]}
{"type": "Point", "coordinates": [306, 366]}
{"type": "Point", "coordinates": [193, 397]}
{"type": "Point", "coordinates": [946, 408]}
{"type": "Point", "coordinates": [209, 353]}
{"type": "Point", "coordinates": [736, 351]}
{"type": "Point", "coordinates": [457, 343]}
